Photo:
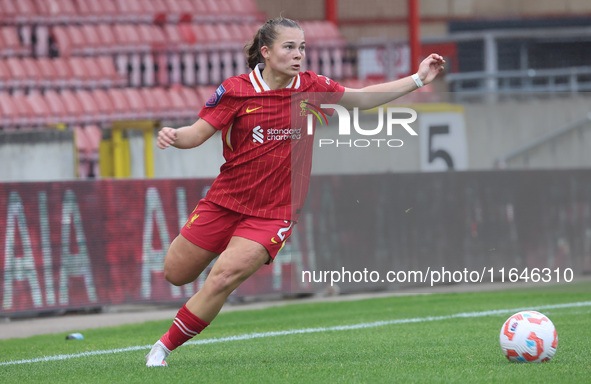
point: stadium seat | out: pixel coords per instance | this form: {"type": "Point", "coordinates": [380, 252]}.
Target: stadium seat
{"type": "Point", "coordinates": [193, 99]}
{"type": "Point", "coordinates": [27, 117]}
{"type": "Point", "coordinates": [57, 109]}
{"type": "Point", "coordinates": [47, 72]}
{"type": "Point", "coordinates": [20, 12]}
{"type": "Point", "coordinates": [85, 139]}
{"type": "Point", "coordinates": [8, 11]}
{"type": "Point", "coordinates": [130, 11]}
{"type": "Point", "coordinates": [62, 40]}
{"type": "Point", "coordinates": [5, 76]}
{"type": "Point", "coordinates": [78, 42]}
{"type": "Point", "coordinates": [93, 43]}
{"type": "Point", "coordinates": [9, 118]}
{"type": "Point", "coordinates": [11, 44]}
{"type": "Point", "coordinates": [157, 99]}
{"type": "Point", "coordinates": [80, 74]}
{"type": "Point", "coordinates": [20, 77]}
{"type": "Point", "coordinates": [31, 67]}
{"type": "Point", "coordinates": [64, 72]}
{"type": "Point", "coordinates": [90, 108]}
{"type": "Point", "coordinates": [108, 38]}
{"type": "Point", "coordinates": [110, 76]}
{"type": "Point", "coordinates": [104, 104]}
{"type": "Point", "coordinates": [60, 11]}
{"type": "Point", "coordinates": [39, 108]}
{"type": "Point", "coordinates": [135, 102]}
{"type": "Point", "coordinates": [172, 36]}
{"type": "Point", "coordinates": [120, 105]}
{"type": "Point", "coordinates": [108, 10]}
{"type": "Point", "coordinates": [74, 109]}
{"type": "Point", "coordinates": [182, 110]}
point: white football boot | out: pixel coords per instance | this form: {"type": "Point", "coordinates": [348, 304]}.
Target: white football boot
{"type": "Point", "coordinates": [157, 355]}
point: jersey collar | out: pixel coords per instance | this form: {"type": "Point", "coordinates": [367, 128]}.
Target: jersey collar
{"type": "Point", "coordinates": [259, 84]}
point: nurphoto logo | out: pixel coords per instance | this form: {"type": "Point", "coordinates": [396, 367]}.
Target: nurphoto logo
{"type": "Point", "coordinates": [395, 117]}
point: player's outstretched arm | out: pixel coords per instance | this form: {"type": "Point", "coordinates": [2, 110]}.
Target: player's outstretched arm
{"type": "Point", "coordinates": [375, 95]}
{"type": "Point", "coordinates": [190, 136]}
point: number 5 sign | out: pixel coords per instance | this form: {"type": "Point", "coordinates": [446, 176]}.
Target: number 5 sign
{"type": "Point", "coordinates": [442, 136]}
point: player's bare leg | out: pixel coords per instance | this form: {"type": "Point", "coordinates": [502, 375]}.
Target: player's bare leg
{"type": "Point", "coordinates": [185, 261]}
{"type": "Point", "coordinates": [237, 263]}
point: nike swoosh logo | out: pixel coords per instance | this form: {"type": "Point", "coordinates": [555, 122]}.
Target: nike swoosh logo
{"type": "Point", "coordinates": [249, 110]}
{"type": "Point", "coordinates": [273, 241]}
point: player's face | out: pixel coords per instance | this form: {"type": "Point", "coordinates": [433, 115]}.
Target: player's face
{"type": "Point", "coordinates": [288, 52]}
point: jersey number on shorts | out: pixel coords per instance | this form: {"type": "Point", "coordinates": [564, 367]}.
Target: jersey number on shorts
{"type": "Point", "coordinates": [281, 233]}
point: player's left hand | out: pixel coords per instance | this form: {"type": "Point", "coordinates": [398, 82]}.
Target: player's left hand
{"type": "Point", "coordinates": [430, 68]}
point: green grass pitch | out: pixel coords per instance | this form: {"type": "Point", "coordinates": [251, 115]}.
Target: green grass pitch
{"type": "Point", "coordinates": [422, 339]}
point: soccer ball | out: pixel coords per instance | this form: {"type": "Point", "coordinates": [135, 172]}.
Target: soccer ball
{"type": "Point", "coordinates": [528, 337]}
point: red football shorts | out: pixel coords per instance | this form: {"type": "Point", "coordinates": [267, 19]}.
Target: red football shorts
{"type": "Point", "coordinates": [211, 227]}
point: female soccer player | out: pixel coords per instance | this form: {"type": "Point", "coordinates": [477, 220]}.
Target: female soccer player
{"type": "Point", "coordinates": [248, 213]}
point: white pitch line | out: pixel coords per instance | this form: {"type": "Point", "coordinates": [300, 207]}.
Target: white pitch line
{"type": "Point", "coordinates": [250, 336]}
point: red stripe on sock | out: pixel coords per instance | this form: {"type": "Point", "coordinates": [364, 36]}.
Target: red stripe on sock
{"type": "Point", "coordinates": [185, 326]}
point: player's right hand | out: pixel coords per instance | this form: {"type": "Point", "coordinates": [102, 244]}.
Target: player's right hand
{"type": "Point", "coordinates": [166, 137]}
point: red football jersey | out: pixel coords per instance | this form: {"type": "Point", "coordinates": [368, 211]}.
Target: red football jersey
{"type": "Point", "coordinates": [267, 148]}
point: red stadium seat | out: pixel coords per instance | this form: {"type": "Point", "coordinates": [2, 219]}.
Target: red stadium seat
{"type": "Point", "coordinates": [92, 112]}
{"type": "Point", "coordinates": [172, 35]}
{"type": "Point", "coordinates": [192, 99]}
{"type": "Point", "coordinates": [120, 105]}
{"type": "Point", "coordinates": [109, 77]}
{"type": "Point", "coordinates": [39, 108]}
{"type": "Point", "coordinates": [130, 10]}
{"type": "Point", "coordinates": [47, 72]}
{"type": "Point", "coordinates": [62, 40]}
{"type": "Point", "coordinates": [94, 71]}
{"type": "Point", "coordinates": [81, 75]}
{"type": "Point", "coordinates": [8, 11]}
{"type": "Point", "coordinates": [135, 102]}
{"type": "Point", "coordinates": [162, 103]}
{"type": "Point", "coordinates": [20, 77]}
{"type": "Point", "coordinates": [61, 11]}
{"type": "Point", "coordinates": [5, 76]}
{"type": "Point", "coordinates": [57, 109]}
{"type": "Point", "coordinates": [104, 103]}
{"type": "Point", "coordinates": [9, 118]}
{"type": "Point", "coordinates": [110, 10]}
{"type": "Point", "coordinates": [32, 70]}
{"type": "Point", "coordinates": [108, 38]}
{"type": "Point", "coordinates": [93, 43]}
{"type": "Point", "coordinates": [25, 112]}
{"type": "Point", "coordinates": [26, 11]}
{"type": "Point", "coordinates": [85, 140]}
{"type": "Point", "coordinates": [95, 135]}
{"type": "Point", "coordinates": [11, 44]}
{"type": "Point", "coordinates": [64, 72]}
{"type": "Point", "coordinates": [73, 107]}
{"type": "Point", "coordinates": [153, 35]}
{"type": "Point", "coordinates": [179, 105]}
{"type": "Point", "coordinates": [129, 39]}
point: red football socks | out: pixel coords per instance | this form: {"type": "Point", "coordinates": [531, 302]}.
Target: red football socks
{"type": "Point", "coordinates": [184, 327]}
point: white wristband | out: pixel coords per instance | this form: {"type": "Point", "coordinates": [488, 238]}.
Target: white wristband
{"type": "Point", "coordinates": [417, 80]}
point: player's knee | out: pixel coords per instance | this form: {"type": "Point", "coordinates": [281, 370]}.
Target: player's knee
{"type": "Point", "coordinates": [173, 278]}
{"type": "Point", "coordinates": [175, 275]}
{"type": "Point", "coordinates": [225, 280]}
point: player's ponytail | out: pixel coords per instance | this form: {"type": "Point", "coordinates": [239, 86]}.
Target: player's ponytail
{"type": "Point", "coordinates": [266, 35]}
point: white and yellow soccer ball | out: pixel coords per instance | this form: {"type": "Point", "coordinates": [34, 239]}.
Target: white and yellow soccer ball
{"type": "Point", "coordinates": [528, 337]}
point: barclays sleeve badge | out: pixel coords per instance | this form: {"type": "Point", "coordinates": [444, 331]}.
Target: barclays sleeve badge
{"type": "Point", "coordinates": [216, 97]}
